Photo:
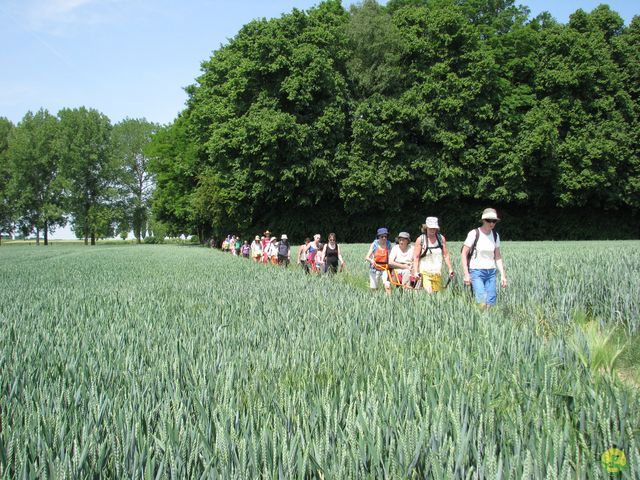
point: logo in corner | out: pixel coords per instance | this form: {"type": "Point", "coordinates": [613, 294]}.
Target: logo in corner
{"type": "Point", "coordinates": [614, 460]}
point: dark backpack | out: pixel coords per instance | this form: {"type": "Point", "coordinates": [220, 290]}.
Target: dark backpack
{"type": "Point", "coordinates": [283, 249]}
{"type": "Point", "coordinates": [475, 242]}
{"type": "Point", "coordinates": [424, 244]}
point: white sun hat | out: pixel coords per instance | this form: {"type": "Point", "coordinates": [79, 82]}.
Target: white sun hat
{"type": "Point", "coordinates": [432, 222]}
{"type": "Point", "coordinates": [490, 214]}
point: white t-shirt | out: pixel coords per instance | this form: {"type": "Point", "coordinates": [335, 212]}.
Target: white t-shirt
{"type": "Point", "coordinates": [432, 261]}
{"type": "Point", "coordinates": [484, 255]}
{"type": "Point", "coordinates": [398, 256]}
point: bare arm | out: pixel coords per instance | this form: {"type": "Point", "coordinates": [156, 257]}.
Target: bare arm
{"type": "Point", "coordinates": [447, 258]}
{"type": "Point", "coordinates": [417, 249]}
{"type": "Point", "coordinates": [465, 264]}
{"type": "Point", "coordinates": [500, 265]}
{"type": "Point", "coordinates": [368, 255]}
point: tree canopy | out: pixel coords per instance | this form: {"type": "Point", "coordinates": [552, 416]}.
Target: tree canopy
{"type": "Point", "coordinates": [340, 119]}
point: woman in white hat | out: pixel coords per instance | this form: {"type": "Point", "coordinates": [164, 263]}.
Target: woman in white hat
{"type": "Point", "coordinates": [429, 252]}
{"type": "Point", "coordinates": [272, 251]}
{"type": "Point", "coordinates": [256, 249]}
{"type": "Point", "coordinates": [480, 257]}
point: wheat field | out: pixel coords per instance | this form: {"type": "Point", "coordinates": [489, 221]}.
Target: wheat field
{"type": "Point", "coordinates": [163, 361]}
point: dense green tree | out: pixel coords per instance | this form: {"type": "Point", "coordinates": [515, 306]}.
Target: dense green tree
{"type": "Point", "coordinates": [271, 110]}
{"type": "Point", "coordinates": [330, 119]}
{"type": "Point", "coordinates": [129, 139]}
{"type": "Point", "coordinates": [375, 52]}
{"type": "Point", "coordinates": [90, 172]}
{"type": "Point", "coordinates": [430, 141]}
{"type": "Point", "coordinates": [36, 181]}
{"type": "Point", "coordinates": [578, 76]}
{"type": "Point", "coordinates": [174, 159]}
{"type": "Point", "coordinates": [6, 203]}
{"type": "Point", "coordinates": [628, 56]}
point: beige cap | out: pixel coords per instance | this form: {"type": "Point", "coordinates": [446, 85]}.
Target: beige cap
{"type": "Point", "coordinates": [432, 222]}
{"type": "Point", "coordinates": [489, 214]}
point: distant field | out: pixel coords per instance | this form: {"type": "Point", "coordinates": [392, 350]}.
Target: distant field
{"type": "Point", "coordinates": [179, 362]}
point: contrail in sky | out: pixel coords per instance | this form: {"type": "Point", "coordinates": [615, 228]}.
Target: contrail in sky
{"type": "Point", "coordinates": [44, 43]}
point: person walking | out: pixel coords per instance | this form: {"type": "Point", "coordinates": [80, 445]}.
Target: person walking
{"type": "Point", "coordinates": [246, 249]}
{"type": "Point", "coordinates": [481, 257]}
{"type": "Point", "coordinates": [378, 258]}
{"type": "Point", "coordinates": [256, 249]}
{"type": "Point", "coordinates": [265, 241]}
{"type": "Point", "coordinates": [284, 251]}
{"type": "Point", "coordinates": [312, 253]}
{"type": "Point", "coordinates": [331, 255]}
{"type": "Point", "coordinates": [272, 251]}
{"type": "Point", "coordinates": [429, 253]}
{"type": "Point", "coordinates": [302, 255]}
{"type": "Point", "coordinates": [401, 260]}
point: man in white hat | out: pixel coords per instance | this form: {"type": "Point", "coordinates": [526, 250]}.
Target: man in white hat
{"type": "Point", "coordinates": [429, 253]}
{"type": "Point", "coordinates": [480, 257]}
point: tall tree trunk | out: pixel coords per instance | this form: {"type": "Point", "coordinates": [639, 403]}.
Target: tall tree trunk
{"type": "Point", "coordinates": [37, 236]}
{"type": "Point", "coordinates": [46, 233]}
{"type": "Point", "coordinates": [93, 238]}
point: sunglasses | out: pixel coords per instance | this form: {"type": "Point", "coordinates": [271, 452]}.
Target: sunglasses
{"type": "Point", "coordinates": [490, 221]}
{"type": "Point", "coordinates": [382, 236]}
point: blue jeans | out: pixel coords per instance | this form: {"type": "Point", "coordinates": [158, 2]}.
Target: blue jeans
{"type": "Point", "coordinates": [483, 282]}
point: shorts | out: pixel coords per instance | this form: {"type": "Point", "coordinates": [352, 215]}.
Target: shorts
{"type": "Point", "coordinates": [402, 276]}
{"type": "Point", "coordinates": [434, 279]}
{"type": "Point", "coordinates": [376, 275]}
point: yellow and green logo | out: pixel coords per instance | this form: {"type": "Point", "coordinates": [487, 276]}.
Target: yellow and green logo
{"type": "Point", "coordinates": [614, 460]}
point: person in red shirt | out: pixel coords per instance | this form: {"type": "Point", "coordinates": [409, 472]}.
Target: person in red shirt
{"type": "Point", "coordinates": [265, 242]}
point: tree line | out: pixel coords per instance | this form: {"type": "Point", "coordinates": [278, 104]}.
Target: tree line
{"type": "Point", "coordinates": [75, 167]}
{"type": "Point", "coordinates": [336, 120]}
{"type": "Point", "coordinates": [345, 120]}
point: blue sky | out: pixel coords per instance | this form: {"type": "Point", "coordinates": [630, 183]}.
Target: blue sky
{"type": "Point", "coordinates": [132, 58]}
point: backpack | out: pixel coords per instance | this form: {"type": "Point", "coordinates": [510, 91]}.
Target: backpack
{"type": "Point", "coordinates": [381, 257]}
{"type": "Point", "coordinates": [283, 249]}
{"type": "Point", "coordinates": [475, 242]}
{"type": "Point", "coordinates": [424, 244]}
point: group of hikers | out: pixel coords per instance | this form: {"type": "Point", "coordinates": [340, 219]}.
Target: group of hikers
{"type": "Point", "coordinates": [417, 267]}
{"type": "Point", "coordinates": [420, 266]}
{"type": "Point", "coordinates": [313, 255]}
